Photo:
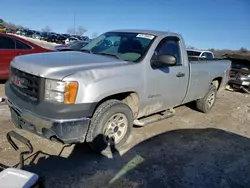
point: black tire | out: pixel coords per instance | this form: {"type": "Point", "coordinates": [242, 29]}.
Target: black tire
{"type": "Point", "coordinates": [203, 104]}
{"type": "Point", "coordinates": [95, 137]}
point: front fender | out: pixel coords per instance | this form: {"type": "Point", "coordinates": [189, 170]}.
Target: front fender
{"type": "Point", "coordinates": [108, 86]}
{"type": "Point", "coordinates": [94, 85]}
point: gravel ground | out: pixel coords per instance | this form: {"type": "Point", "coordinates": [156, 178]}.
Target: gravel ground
{"type": "Point", "coordinates": [189, 150]}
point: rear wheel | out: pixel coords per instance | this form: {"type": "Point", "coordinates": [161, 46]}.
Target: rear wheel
{"type": "Point", "coordinates": [207, 102]}
{"type": "Point", "coordinates": [110, 127]}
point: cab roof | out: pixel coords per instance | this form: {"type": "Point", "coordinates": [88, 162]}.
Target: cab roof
{"type": "Point", "coordinates": [151, 32]}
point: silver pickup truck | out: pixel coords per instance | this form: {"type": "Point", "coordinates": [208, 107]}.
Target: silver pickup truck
{"type": "Point", "coordinates": [119, 79]}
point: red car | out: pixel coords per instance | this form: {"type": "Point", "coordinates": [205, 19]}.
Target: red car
{"type": "Point", "coordinates": [12, 46]}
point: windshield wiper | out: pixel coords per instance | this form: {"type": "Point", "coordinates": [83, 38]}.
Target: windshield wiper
{"type": "Point", "coordinates": [106, 54]}
{"type": "Point", "coordinates": [85, 50]}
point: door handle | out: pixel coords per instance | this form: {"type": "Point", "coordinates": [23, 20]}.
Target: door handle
{"type": "Point", "coordinates": [180, 74]}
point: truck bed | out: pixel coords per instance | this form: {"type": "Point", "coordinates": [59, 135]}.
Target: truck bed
{"type": "Point", "coordinates": [194, 59]}
{"type": "Point", "coordinates": [204, 71]}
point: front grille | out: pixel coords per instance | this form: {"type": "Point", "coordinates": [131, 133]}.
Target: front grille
{"type": "Point", "coordinates": [25, 85]}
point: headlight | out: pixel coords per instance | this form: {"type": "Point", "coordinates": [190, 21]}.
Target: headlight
{"type": "Point", "coordinates": [54, 85]}
{"type": "Point", "coordinates": [58, 91]}
{"type": "Point", "coordinates": [54, 96]}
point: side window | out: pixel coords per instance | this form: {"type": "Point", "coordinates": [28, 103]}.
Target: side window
{"type": "Point", "coordinates": [6, 43]}
{"type": "Point", "coordinates": [22, 46]}
{"type": "Point", "coordinates": [169, 46]}
{"type": "Point", "coordinates": [207, 55]}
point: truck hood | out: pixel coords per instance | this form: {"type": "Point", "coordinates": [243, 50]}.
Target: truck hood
{"type": "Point", "coordinates": [57, 65]}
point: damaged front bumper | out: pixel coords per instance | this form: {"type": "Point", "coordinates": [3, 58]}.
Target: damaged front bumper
{"type": "Point", "coordinates": [57, 122]}
{"type": "Point", "coordinates": [66, 131]}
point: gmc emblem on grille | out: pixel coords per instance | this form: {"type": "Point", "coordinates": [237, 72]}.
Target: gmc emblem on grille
{"type": "Point", "coordinates": [18, 81]}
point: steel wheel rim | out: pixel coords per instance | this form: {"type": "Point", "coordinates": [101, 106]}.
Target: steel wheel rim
{"type": "Point", "coordinates": [211, 99]}
{"type": "Point", "coordinates": [115, 128]}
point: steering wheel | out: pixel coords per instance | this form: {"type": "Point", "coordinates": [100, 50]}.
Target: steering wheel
{"type": "Point", "coordinates": [107, 43]}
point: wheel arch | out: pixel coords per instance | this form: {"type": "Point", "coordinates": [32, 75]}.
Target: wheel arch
{"type": "Point", "coordinates": [131, 98]}
{"type": "Point", "coordinates": [217, 82]}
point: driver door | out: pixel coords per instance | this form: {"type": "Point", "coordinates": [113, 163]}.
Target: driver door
{"type": "Point", "coordinates": [166, 86]}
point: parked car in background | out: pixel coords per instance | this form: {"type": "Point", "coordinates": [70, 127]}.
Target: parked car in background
{"type": "Point", "coordinates": [84, 38]}
{"type": "Point", "coordinates": [21, 32]}
{"type": "Point", "coordinates": [12, 46]}
{"type": "Point", "coordinates": [65, 35]}
{"type": "Point", "coordinates": [37, 35]}
{"type": "Point", "coordinates": [52, 38]}
{"type": "Point", "coordinates": [29, 33]}
{"type": "Point", "coordinates": [75, 36]}
{"type": "Point", "coordinates": [200, 54]}
{"type": "Point", "coordinates": [75, 46]}
{"type": "Point", "coordinates": [18, 32]}
{"type": "Point", "coordinates": [44, 36]}
{"type": "Point", "coordinates": [65, 45]}
{"type": "Point", "coordinates": [240, 72]}
{"type": "Point", "coordinates": [70, 40]}
{"type": "Point", "coordinates": [61, 39]}
{"type": "Point", "coordinates": [119, 79]}
{"type": "Point", "coordinates": [9, 30]}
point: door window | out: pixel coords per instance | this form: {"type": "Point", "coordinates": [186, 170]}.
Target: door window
{"type": "Point", "coordinates": [168, 46]}
{"type": "Point", "coordinates": [22, 46]}
{"type": "Point", "coordinates": [207, 55]}
{"type": "Point", "coordinates": [6, 43]}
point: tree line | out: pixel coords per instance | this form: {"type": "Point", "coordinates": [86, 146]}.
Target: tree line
{"type": "Point", "coordinates": [79, 30]}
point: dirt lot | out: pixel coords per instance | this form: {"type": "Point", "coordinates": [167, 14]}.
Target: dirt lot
{"type": "Point", "coordinates": [189, 150]}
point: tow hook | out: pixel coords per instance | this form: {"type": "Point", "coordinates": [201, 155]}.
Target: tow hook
{"type": "Point", "coordinates": [23, 140]}
{"type": "Point", "coordinates": [15, 176]}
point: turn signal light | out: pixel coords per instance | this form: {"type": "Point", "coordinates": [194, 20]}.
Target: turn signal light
{"type": "Point", "coordinates": [70, 92]}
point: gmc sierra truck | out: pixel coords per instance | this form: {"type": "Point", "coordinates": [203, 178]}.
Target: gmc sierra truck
{"type": "Point", "coordinates": [119, 79]}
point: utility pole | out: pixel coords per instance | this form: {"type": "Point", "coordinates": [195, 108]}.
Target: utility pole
{"type": "Point", "coordinates": [74, 23]}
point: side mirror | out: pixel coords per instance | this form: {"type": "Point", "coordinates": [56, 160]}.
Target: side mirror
{"type": "Point", "coordinates": [163, 60]}
{"type": "Point", "coordinates": [203, 56]}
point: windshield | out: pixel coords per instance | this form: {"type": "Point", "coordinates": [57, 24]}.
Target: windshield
{"type": "Point", "coordinates": [123, 45]}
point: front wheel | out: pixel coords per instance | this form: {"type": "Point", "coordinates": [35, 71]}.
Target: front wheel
{"type": "Point", "coordinates": [207, 102]}
{"type": "Point", "coordinates": [110, 127]}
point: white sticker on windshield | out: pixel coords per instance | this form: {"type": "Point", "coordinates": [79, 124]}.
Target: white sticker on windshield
{"type": "Point", "coordinates": [146, 36]}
